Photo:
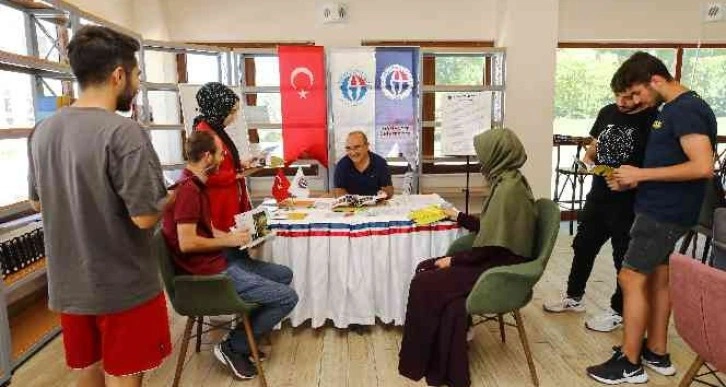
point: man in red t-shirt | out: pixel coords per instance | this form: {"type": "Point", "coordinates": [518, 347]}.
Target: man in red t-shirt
{"type": "Point", "coordinates": [200, 249]}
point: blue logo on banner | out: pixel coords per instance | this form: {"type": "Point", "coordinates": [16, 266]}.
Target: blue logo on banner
{"type": "Point", "coordinates": [397, 82]}
{"type": "Point", "coordinates": [354, 86]}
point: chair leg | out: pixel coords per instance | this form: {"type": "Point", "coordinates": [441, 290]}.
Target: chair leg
{"type": "Point", "coordinates": [686, 242]}
{"type": "Point", "coordinates": [200, 327]}
{"type": "Point", "coordinates": [525, 344]}
{"type": "Point", "coordinates": [183, 351]}
{"type": "Point", "coordinates": [253, 347]}
{"type": "Point", "coordinates": [692, 372]}
{"type": "Point", "coordinates": [501, 328]}
{"type": "Point", "coordinates": [706, 250]}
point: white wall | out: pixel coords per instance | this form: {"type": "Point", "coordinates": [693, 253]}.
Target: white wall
{"type": "Point", "coordinates": [254, 20]}
{"type": "Point", "coordinates": [116, 11]}
{"type": "Point", "coordinates": [636, 20]}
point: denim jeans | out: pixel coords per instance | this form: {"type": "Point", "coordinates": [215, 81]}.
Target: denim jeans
{"type": "Point", "coordinates": [263, 283]}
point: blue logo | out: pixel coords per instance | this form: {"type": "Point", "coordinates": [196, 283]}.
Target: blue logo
{"type": "Point", "coordinates": [354, 86]}
{"type": "Point", "coordinates": [397, 82]}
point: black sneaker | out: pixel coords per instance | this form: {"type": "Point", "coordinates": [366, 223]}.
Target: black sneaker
{"type": "Point", "coordinates": [240, 366]}
{"type": "Point", "coordinates": [618, 370]}
{"type": "Point", "coordinates": [658, 363]}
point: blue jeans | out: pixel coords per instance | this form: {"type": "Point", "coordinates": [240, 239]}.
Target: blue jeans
{"type": "Point", "coordinates": [263, 283]}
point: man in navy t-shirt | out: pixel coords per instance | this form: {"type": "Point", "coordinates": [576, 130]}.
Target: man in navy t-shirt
{"type": "Point", "coordinates": [360, 171]}
{"type": "Point", "coordinates": [671, 185]}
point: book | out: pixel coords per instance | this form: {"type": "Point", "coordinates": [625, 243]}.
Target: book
{"type": "Point", "coordinates": [256, 222]}
{"type": "Point", "coordinates": [357, 201]}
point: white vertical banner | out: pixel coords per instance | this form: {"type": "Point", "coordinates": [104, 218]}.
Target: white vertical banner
{"type": "Point", "coordinates": [463, 116]}
{"type": "Point", "coordinates": [352, 84]}
{"type": "Point", "coordinates": [190, 109]}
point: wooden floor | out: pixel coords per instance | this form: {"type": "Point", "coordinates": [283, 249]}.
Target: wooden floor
{"type": "Point", "coordinates": [330, 357]}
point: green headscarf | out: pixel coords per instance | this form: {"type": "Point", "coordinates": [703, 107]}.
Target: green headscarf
{"type": "Point", "coordinates": [509, 216]}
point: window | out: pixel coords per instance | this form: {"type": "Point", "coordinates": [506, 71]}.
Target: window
{"type": "Point", "coordinates": [13, 153]}
{"type": "Point", "coordinates": [47, 35]}
{"type": "Point", "coordinates": [16, 100]}
{"type": "Point", "coordinates": [13, 35]}
{"type": "Point", "coordinates": [704, 71]}
{"type": "Point", "coordinates": [202, 68]}
{"type": "Point", "coordinates": [582, 84]}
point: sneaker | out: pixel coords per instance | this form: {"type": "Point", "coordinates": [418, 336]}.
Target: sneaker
{"type": "Point", "coordinates": [618, 369]}
{"type": "Point", "coordinates": [566, 304]}
{"type": "Point", "coordinates": [240, 366]}
{"type": "Point", "coordinates": [658, 363]}
{"type": "Point", "coordinates": [605, 322]}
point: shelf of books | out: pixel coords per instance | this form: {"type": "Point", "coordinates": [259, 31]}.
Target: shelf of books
{"type": "Point", "coordinates": [26, 324]}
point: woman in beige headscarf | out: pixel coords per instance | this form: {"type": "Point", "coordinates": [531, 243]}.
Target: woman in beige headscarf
{"type": "Point", "coordinates": [434, 339]}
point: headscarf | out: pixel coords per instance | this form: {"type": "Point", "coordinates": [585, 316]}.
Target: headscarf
{"type": "Point", "coordinates": [509, 215]}
{"type": "Point", "coordinates": [215, 102]}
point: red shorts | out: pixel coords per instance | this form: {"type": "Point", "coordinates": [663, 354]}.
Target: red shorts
{"type": "Point", "coordinates": [128, 342]}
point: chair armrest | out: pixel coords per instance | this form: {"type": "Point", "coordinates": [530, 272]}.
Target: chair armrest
{"type": "Point", "coordinates": [211, 295]}
{"type": "Point", "coordinates": [502, 289]}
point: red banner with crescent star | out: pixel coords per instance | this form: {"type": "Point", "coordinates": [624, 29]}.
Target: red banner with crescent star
{"type": "Point", "coordinates": [304, 103]}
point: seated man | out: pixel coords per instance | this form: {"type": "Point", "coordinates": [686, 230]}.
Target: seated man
{"type": "Point", "coordinates": [361, 172]}
{"type": "Point", "coordinates": [200, 249]}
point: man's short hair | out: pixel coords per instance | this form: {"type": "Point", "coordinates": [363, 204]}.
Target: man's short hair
{"type": "Point", "coordinates": [198, 144]}
{"type": "Point", "coordinates": [638, 69]}
{"type": "Point", "coordinates": [95, 52]}
{"type": "Point", "coordinates": [359, 133]}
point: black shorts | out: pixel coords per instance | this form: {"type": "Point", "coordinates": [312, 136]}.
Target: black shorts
{"type": "Point", "coordinates": [651, 243]}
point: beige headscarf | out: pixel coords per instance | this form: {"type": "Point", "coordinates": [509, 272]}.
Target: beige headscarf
{"type": "Point", "coordinates": [509, 216]}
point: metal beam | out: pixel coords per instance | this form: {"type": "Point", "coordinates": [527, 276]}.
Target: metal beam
{"type": "Point", "coordinates": [157, 45]}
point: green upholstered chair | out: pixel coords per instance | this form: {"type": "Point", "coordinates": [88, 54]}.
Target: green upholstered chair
{"type": "Point", "coordinates": [507, 289]}
{"type": "Point", "coordinates": [197, 296]}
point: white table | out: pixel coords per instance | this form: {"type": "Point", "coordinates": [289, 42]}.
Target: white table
{"type": "Point", "coordinates": [352, 269]}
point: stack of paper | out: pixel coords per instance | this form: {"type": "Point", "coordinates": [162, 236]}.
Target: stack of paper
{"type": "Point", "coordinates": [427, 215]}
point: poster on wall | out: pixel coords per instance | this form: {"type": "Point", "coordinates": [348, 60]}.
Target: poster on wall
{"type": "Point", "coordinates": [237, 131]}
{"type": "Point", "coordinates": [352, 73]}
{"type": "Point", "coordinates": [463, 116]}
{"type": "Point", "coordinates": [397, 102]}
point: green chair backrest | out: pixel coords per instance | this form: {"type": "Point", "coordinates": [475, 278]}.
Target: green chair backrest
{"type": "Point", "coordinates": [504, 289]}
{"type": "Point", "coordinates": [166, 265]}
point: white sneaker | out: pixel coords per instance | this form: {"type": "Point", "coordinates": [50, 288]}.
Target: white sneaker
{"type": "Point", "coordinates": [605, 322]}
{"type": "Point", "coordinates": [566, 304]}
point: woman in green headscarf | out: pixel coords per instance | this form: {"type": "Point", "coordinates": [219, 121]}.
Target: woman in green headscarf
{"type": "Point", "coordinates": [434, 338]}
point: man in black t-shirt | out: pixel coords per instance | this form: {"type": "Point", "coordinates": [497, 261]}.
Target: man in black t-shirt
{"type": "Point", "coordinates": [671, 185]}
{"type": "Point", "coordinates": [619, 136]}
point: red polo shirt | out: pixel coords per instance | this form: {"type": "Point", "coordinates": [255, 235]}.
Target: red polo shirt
{"type": "Point", "coordinates": [192, 206]}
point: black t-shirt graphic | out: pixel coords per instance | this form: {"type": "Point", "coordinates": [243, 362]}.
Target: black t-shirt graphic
{"type": "Point", "coordinates": [621, 140]}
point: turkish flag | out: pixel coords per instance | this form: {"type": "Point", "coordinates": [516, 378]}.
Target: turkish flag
{"type": "Point", "coordinates": [304, 103]}
{"type": "Point", "coordinates": [280, 186]}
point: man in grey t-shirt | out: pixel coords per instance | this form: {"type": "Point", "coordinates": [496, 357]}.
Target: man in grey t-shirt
{"type": "Point", "coordinates": [96, 179]}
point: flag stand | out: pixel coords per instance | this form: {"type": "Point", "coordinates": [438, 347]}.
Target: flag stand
{"type": "Point", "coordinates": [466, 190]}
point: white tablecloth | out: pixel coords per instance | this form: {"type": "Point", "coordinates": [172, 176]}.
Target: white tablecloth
{"type": "Point", "coordinates": [356, 268]}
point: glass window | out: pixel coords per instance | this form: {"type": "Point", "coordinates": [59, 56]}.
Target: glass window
{"type": "Point", "coordinates": [13, 171]}
{"type": "Point", "coordinates": [168, 146]}
{"type": "Point", "coordinates": [460, 70]}
{"type": "Point", "coordinates": [273, 103]}
{"type": "Point", "coordinates": [164, 107]}
{"type": "Point", "coordinates": [270, 138]}
{"type": "Point", "coordinates": [16, 101]}
{"type": "Point", "coordinates": [202, 68]}
{"type": "Point", "coordinates": [52, 87]}
{"type": "Point", "coordinates": [47, 34]}
{"type": "Point", "coordinates": [13, 35]}
{"type": "Point", "coordinates": [704, 71]}
{"type": "Point", "coordinates": [582, 84]}
{"type": "Point", "coordinates": [267, 71]}
{"type": "Point", "coordinates": [160, 66]}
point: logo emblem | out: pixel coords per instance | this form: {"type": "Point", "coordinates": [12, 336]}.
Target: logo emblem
{"type": "Point", "coordinates": [302, 89]}
{"type": "Point", "coordinates": [302, 183]}
{"type": "Point", "coordinates": [657, 124]}
{"type": "Point", "coordinates": [354, 86]}
{"type": "Point", "coordinates": [396, 82]}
